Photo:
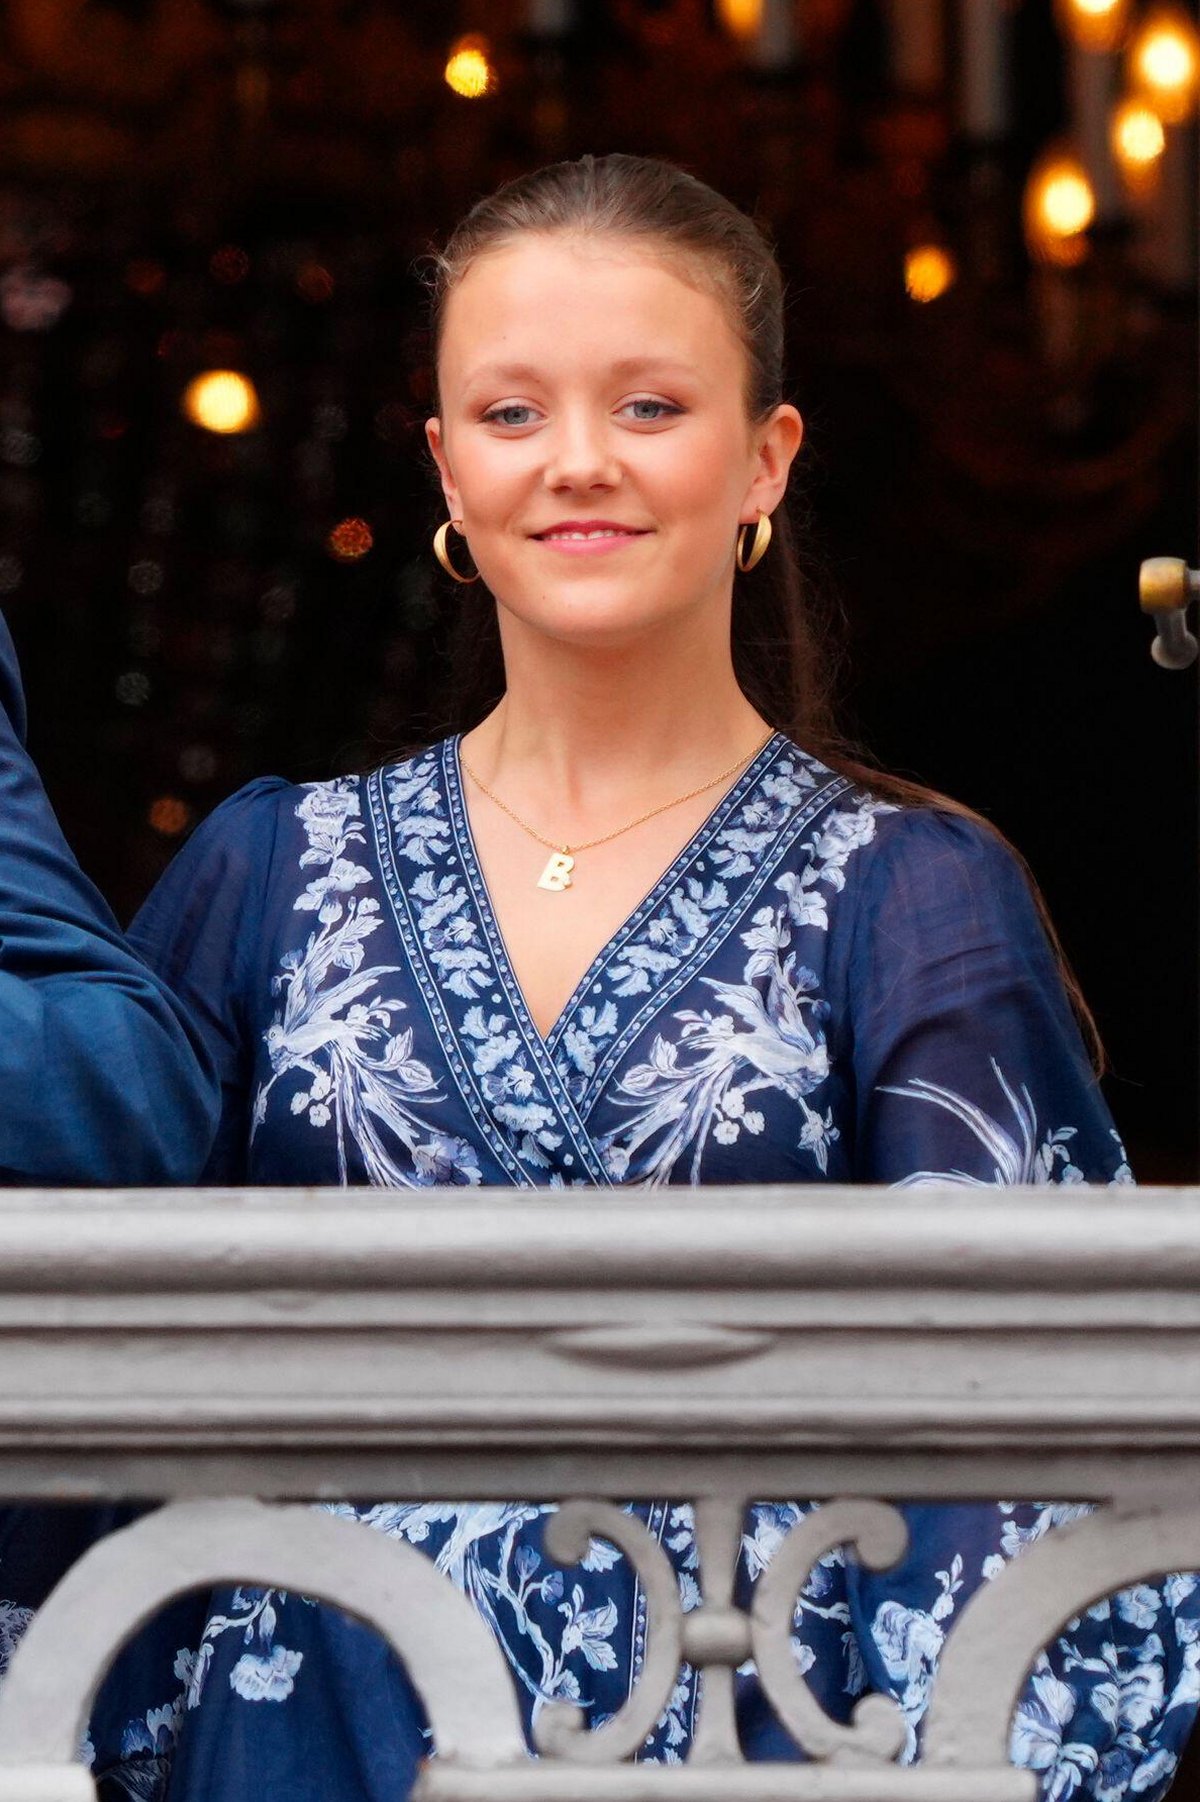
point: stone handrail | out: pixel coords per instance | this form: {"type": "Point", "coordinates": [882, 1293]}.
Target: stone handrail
{"type": "Point", "coordinates": [715, 1345]}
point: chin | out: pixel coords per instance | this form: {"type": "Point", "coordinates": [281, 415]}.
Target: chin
{"type": "Point", "coordinates": [600, 622]}
{"type": "Point", "coordinates": [605, 610]}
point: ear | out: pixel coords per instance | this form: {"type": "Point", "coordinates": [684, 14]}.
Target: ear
{"type": "Point", "coordinates": [433, 437]}
{"type": "Point", "coordinates": [776, 444]}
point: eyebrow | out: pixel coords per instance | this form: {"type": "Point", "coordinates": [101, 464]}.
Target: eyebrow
{"type": "Point", "coordinates": [625, 366]}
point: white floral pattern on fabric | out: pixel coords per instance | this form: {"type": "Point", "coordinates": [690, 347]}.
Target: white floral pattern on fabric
{"type": "Point", "coordinates": [910, 1641]}
{"type": "Point", "coordinates": [1024, 1158]}
{"type": "Point", "coordinates": [766, 1035]}
{"type": "Point", "coordinates": [482, 1556]}
{"type": "Point", "coordinates": [13, 1622]}
{"type": "Point", "coordinates": [681, 1102]}
{"type": "Point", "coordinates": [336, 1026]}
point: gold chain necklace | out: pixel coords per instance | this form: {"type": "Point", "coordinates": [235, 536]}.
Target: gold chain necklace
{"type": "Point", "coordinates": [557, 874]}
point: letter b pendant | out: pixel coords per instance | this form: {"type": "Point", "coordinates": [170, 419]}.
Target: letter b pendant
{"type": "Point", "coordinates": [557, 873]}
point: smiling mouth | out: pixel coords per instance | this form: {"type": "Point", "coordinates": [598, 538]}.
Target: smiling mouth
{"type": "Point", "coordinates": [578, 537]}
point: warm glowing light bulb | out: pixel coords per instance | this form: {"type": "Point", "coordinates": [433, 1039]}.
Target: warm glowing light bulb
{"type": "Point", "coordinates": [741, 18]}
{"type": "Point", "coordinates": [469, 69]}
{"type": "Point", "coordinates": [928, 271]}
{"type": "Point", "coordinates": [1095, 24]}
{"type": "Point", "coordinates": [1164, 64]}
{"type": "Point", "coordinates": [1067, 203]}
{"type": "Point", "coordinates": [223, 401]}
{"type": "Point", "coordinates": [1059, 206]}
{"type": "Point", "coordinates": [1138, 138]}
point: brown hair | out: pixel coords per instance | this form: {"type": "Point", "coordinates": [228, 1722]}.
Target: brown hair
{"type": "Point", "coordinates": [781, 637]}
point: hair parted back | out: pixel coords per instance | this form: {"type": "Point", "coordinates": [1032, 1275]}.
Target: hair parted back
{"type": "Point", "coordinates": [782, 631]}
{"type": "Point", "coordinates": [634, 197]}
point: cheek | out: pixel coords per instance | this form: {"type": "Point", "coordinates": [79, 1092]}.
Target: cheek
{"type": "Point", "coordinates": [704, 513]}
{"type": "Point", "coordinates": [699, 486]}
{"type": "Point", "coordinates": [490, 485]}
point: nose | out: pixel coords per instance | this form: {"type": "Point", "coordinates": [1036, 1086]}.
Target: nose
{"type": "Point", "coordinates": [581, 454]}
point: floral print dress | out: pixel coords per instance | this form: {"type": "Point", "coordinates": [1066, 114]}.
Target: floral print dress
{"type": "Point", "coordinates": [822, 987]}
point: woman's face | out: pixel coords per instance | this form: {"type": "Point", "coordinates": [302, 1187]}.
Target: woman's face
{"type": "Point", "coordinates": [594, 441]}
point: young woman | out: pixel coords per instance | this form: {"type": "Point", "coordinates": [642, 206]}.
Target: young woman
{"type": "Point", "coordinates": [638, 923]}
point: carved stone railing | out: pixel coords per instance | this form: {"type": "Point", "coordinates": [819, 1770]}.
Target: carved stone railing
{"type": "Point", "coordinates": [714, 1346]}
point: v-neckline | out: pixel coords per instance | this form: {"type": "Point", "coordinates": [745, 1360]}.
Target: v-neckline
{"type": "Point", "coordinates": [654, 896]}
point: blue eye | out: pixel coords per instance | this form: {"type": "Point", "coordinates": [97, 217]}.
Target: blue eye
{"type": "Point", "coordinates": [501, 415]}
{"type": "Point", "coordinates": [663, 408]}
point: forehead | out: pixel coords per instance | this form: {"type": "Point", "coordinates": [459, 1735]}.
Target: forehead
{"type": "Point", "coordinates": [558, 302]}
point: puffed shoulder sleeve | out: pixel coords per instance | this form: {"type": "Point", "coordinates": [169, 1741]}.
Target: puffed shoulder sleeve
{"type": "Point", "coordinates": [102, 1077]}
{"type": "Point", "coordinates": [967, 1061]}
{"type": "Point", "coordinates": [200, 929]}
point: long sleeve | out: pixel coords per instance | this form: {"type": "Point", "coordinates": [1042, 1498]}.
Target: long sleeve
{"type": "Point", "coordinates": [103, 1079]}
{"type": "Point", "coordinates": [969, 1070]}
{"type": "Point", "coordinates": [199, 930]}
{"type": "Point", "coordinates": [967, 1061]}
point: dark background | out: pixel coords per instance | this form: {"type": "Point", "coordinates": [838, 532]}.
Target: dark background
{"type": "Point", "coordinates": [186, 184]}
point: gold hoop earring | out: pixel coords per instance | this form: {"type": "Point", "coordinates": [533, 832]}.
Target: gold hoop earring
{"type": "Point", "coordinates": [758, 550]}
{"type": "Point", "coordinates": [443, 555]}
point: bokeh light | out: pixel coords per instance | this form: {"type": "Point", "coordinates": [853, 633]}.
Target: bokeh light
{"type": "Point", "coordinates": [145, 277]}
{"type": "Point", "coordinates": [169, 815]}
{"type": "Point", "coordinates": [1059, 205]}
{"type": "Point", "coordinates": [146, 575]}
{"type": "Point", "coordinates": [229, 264]}
{"type": "Point", "coordinates": [741, 18]}
{"type": "Point", "coordinates": [1066, 203]}
{"type": "Point", "coordinates": [32, 301]}
{"type": "Point", "coordinates": [222, 400]}
{"type": "Point", "coordinates": [314, 284]}
{"type": "Point", "coordinates": [1095, 24]}
{"type": "Point", "coordinates": [929, 270]}
{"type": "Point", "coordinates": [469, 70]}
{"type": "Point", "coordinates": [1138, 141]}
{"type": "Point", "coordinates": [1164, 63]}
{"type": "Point", "coordinates": [350, 539]}
{"type": "Point", "coordinates": [132, 688]}
{"type": "Point", "coordinates": [198, 763]}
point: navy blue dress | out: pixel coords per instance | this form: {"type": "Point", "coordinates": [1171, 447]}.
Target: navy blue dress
{"type": "Point", "coordinates": [822, 987]}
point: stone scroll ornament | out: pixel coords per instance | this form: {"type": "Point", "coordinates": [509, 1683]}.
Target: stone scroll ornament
{"type": "Point", "coordinates": [461, 1676]}
{"type": "Point", "coordinates": [455, 1665]}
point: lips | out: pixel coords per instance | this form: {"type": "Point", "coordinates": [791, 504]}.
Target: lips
{"type": "Point", "coordinates": [579, 531]}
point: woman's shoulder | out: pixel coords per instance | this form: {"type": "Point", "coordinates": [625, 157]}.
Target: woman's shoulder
{"type": "Point", "coordinates": [941, 851]}
{"type": "Point", "coordinates": [262, 807]}
{"type": "Point", "coordinates": [268, 842]}
{"type": "Point", "coordinates": [931, 834]}
{"type": "Point", "coordinates": [246, 825]}
{"type": "Point", "coordinates": [269, 825]}
{"type": "Point", "coordinates": [887, 850]}
{"type": "Point", "coordinates": [250, 807]}
{"type": "Point", "coordinates": [316, 819]}
{"type": "Point", "coordinates": [898, 824]}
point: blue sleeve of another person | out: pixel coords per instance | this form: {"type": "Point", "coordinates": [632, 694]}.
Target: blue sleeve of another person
{"type": "Point", "coordinates": [103, 1078]}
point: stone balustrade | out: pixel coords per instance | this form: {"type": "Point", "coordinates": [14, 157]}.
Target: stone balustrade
{"type": "Point", "coordinates": [719, 1346]}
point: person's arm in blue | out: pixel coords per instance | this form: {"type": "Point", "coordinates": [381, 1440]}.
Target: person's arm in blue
{"type": "Point", "coordinates": [102, 1078]}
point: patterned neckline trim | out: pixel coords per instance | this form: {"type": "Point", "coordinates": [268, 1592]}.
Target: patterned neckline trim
{"type": "Point", "coordinates": [654, 897]}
